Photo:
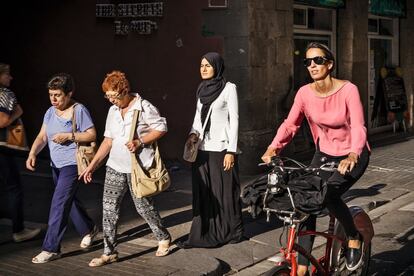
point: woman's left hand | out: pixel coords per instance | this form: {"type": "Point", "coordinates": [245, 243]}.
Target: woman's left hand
{"type": "Point", "coordinates": [134, 145]}
{"type": "Point", "coordinates": [348, 163]}
{"type": "Point", "coordinates": [228, 162]}
{"type": "Point", "coordinates": [60, 138]}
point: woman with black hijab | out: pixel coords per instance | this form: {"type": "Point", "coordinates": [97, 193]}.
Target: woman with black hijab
{"type": "Point", "coordinates": [217, 218]}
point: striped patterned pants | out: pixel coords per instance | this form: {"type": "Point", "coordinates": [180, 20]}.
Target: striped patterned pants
{"type": "Point", "coordinates": [115, 187]}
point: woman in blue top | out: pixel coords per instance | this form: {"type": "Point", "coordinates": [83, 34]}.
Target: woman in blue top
{"type": "Point", "coordinates": [57, 132]}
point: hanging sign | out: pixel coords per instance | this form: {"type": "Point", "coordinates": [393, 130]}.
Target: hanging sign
{"type": "Point", "coordinates": [120, 12]}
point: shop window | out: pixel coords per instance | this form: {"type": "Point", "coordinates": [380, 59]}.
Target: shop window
{"type": "Point", "coordinates": [381, 26]}
{"type": "Point", "coordinates": [312, 18]}
{"type": "Point", "coordinates": [373, 26]}
{"type": "Point", "coordinates": [300, 18]}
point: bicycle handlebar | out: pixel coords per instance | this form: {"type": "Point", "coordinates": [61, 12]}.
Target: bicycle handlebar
{"type": "Point", "coordinates": [277, 162]}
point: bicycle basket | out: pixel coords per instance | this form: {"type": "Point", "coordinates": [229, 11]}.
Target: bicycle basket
{"type": "Point", "coordinates": [308, 192]}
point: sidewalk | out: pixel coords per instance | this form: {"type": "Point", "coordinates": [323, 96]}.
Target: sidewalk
{"type": "Point", "coordinates": [389, 177]}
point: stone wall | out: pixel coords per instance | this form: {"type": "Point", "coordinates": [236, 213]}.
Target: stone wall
{"type": "Point", "coordinates": [270, 66]}
{"type": "Point", "coordinates": [407, 56]}
{"type": "Point", "coordinates": [231, 25]}
{"type": "Point", "coordinates": [47, 37]}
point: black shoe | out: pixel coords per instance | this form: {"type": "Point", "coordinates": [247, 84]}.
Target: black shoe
{"type": "Point", "coordinates": [354, 256]}
{"type": "Point", "coordinates": [183, 245]}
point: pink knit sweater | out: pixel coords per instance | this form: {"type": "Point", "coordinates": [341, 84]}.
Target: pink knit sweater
{"type": "Point", "coordinates": [337, 120]}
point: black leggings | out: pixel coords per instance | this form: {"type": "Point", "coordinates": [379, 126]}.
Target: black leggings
{"type": "Point", "coordinates": [338, 184]}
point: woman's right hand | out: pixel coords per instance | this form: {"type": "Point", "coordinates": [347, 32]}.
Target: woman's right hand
{"type": "Point", "coordinates": [87, 174]}
{"type": "Point", "coordinates": [267, 156]}
{"type": "Point", "coordinates": [192, 139]}
{"type": "Point", "coordinates": [31, 162]}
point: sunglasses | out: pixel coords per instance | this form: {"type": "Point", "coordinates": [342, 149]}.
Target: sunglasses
{"type": "Point", "coordinates": [319, 60]}
{"type": "Point", "coordinates": [116, 96]}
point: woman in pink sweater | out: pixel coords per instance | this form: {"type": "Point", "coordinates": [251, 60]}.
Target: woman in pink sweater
{"type": "Point", "coordinates": [334, 112]}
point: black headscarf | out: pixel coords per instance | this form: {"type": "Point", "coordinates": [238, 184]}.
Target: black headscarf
{"type": "Point", "coordinates": [209, 90]}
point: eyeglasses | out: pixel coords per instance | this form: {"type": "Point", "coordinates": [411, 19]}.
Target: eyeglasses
{"type": "Point", "coordinates": [319, 60]}
{"type": "Point", "coordinates": [116, 96]}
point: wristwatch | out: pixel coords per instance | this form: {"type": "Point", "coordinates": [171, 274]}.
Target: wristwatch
{"type": "Point", "coordinates": [141, 142]}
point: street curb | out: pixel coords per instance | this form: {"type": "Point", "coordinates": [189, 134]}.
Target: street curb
{"type": "Point", "coordinates": [396, 203]}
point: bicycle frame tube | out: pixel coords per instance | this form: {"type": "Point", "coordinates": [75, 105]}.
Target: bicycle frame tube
{"type": "Point", "coordinates": [325, 260]}
{"type": "Point", "coordinates": [291, 255]}
{"type": "Point", "coordinates": [328, 248]}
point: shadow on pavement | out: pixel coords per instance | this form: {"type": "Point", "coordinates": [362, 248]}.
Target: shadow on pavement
{"type": "Point", "coordinates": [358, 192]}
{"type": "Point", "coordinates": [391, 262]}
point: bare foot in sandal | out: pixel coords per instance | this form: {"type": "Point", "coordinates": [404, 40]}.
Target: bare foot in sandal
{"type": "Point", "coordinates": [163, 248]}
{"type": "Point", "coordinates": [103, 260]}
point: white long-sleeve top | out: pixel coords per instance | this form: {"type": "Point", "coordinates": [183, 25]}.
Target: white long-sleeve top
{"type": "Point", "coordinates": [224, 122]}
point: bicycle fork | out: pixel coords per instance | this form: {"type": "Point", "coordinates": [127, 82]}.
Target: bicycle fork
{"type": "Point", "coordinates": [291, 253]}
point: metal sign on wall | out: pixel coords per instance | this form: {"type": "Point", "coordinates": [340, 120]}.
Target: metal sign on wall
{"type": "Point", "coordinates": [322, 3]}
{"type": "Point", "coordinates": [393, 8]}
{"type": "Point", "coordinates": [121, 12]}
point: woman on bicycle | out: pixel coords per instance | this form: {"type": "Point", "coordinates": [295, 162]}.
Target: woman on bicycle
{"type": "Point", "coordinates": [334, 112]}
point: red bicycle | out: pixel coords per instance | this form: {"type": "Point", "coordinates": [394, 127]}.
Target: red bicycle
{"type": "Point", "coordinates": [333, 260]}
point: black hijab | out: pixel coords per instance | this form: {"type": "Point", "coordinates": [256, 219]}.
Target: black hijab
{"type": "Point", "coordinates": [209, 90]}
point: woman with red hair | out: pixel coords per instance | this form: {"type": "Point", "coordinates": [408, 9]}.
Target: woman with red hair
{"type": "Point", "coordinates": [150, 127]}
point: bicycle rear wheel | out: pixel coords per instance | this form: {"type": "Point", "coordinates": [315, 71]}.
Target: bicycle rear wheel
{"type": "Point", "coordinates": [338, 257]}
{"type": "Point", "coordinates": [362, 270]}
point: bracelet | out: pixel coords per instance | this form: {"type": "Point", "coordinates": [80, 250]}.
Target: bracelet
{"type": "Point", "coordinates": [73, 137]}
{"type": "Point", "coordinates": [141, 142]}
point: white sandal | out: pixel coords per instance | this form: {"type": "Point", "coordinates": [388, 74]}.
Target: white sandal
{"type": "Point", "coordinates": [88, 239]}
{"type": "Point", "coordinates": [103, 260]}
{"type": "Point", "coordinates": [44, 257]}
{"type": "Point", "coordinates": [163, 248]}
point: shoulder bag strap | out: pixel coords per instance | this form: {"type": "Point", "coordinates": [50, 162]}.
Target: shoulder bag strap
{"type": "Point", "coordinates": [134, 124]}
{"type": "Point", "coordinates": [74, 121]}
{"type": "Point", "coordinates": [131, 137]}
{"type": "Point", "coordinates": [205, 122]}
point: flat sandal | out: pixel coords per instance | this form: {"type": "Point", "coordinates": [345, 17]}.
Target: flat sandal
{"type": "Point", "coordinates": [103, 260]}
{"type": "Point", "coordinates": [163, 248]}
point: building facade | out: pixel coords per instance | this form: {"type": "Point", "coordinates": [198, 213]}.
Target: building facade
{"type": "Point", "coordinates": [158, 43]}
{"type": "Point", "coordinates": [371, 41]}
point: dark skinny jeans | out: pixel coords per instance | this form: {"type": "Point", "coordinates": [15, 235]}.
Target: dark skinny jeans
{"type": "Point", "coordinates": [11, 188]}
{"type": "Point", "coordinates": [338, 184]}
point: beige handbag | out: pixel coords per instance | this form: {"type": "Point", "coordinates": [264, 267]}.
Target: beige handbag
{"type": "Point", "coordinates": [84, 151]}
{"type": "Point", "coordinates": [191, 149]}
{"type": "Point", "coordinates": [146, 183]}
